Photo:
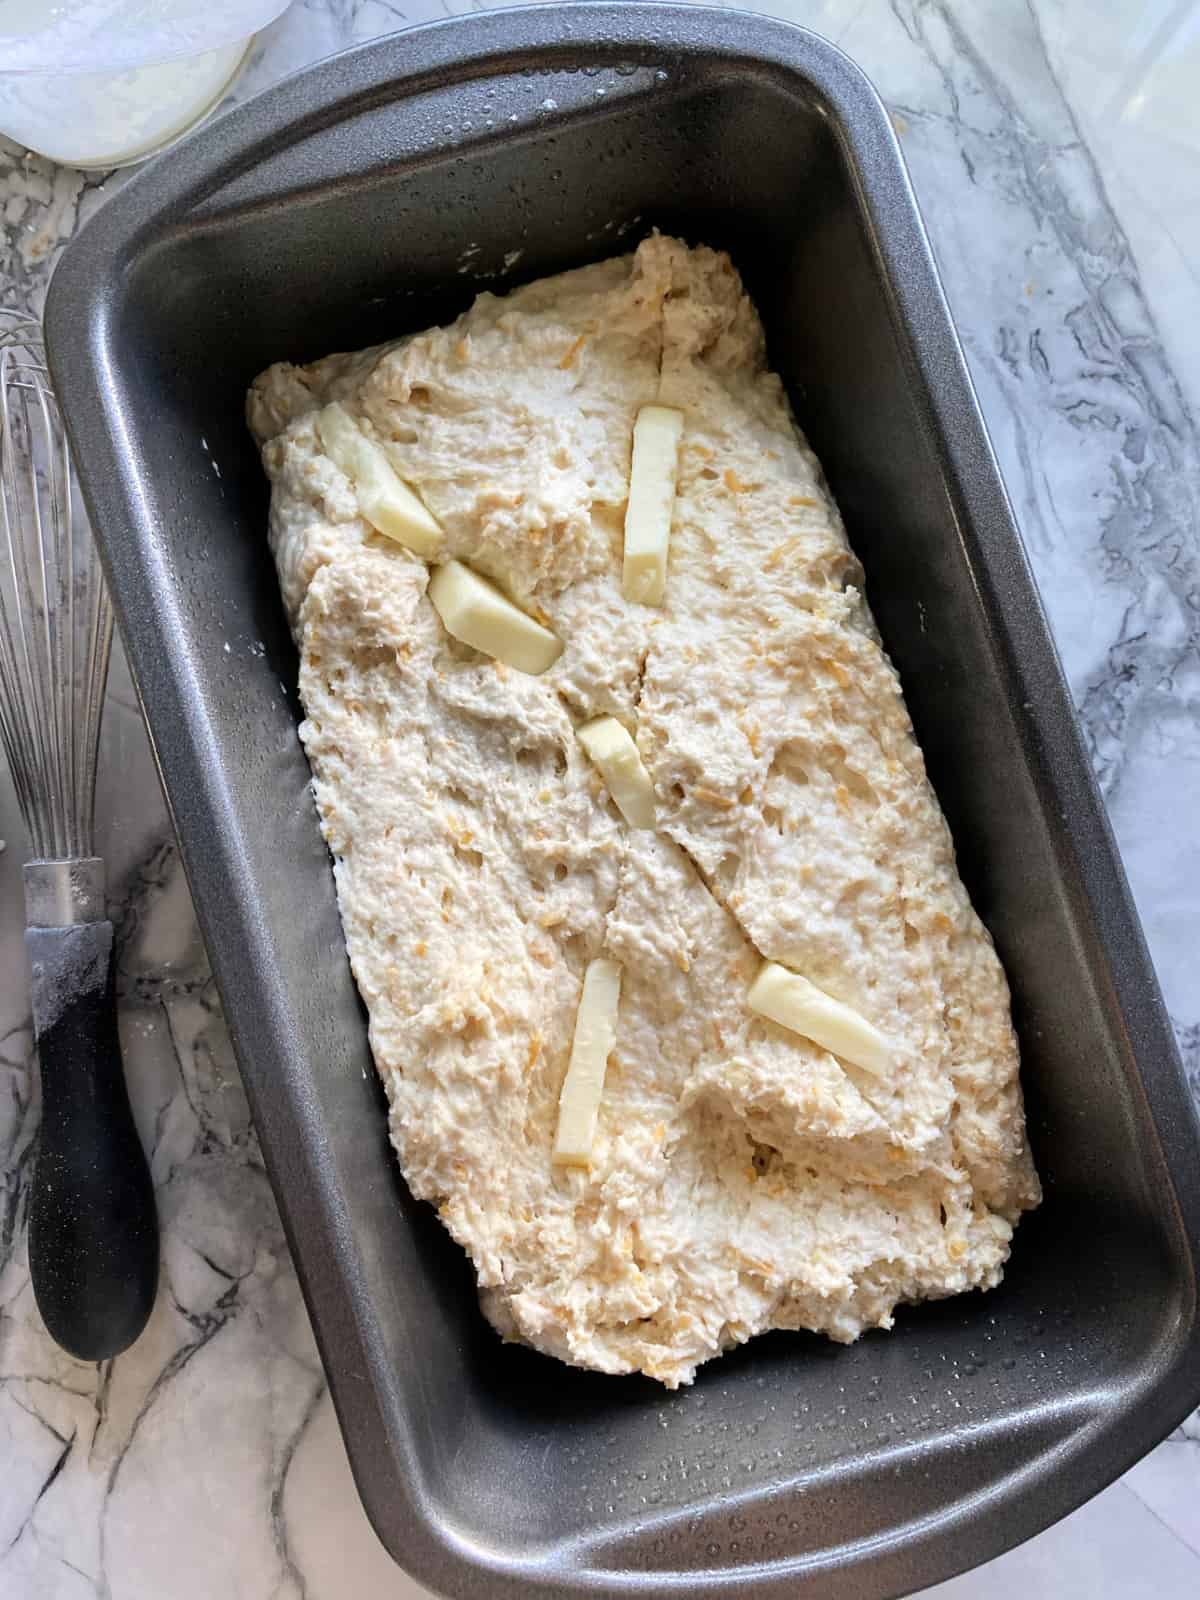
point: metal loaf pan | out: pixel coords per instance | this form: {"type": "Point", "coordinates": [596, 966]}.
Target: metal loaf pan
{"type": "Point", "coordinates": [376, 193]}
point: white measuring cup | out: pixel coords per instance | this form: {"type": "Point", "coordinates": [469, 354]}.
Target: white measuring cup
{"type": "Point", "coordinates": [100, 83]}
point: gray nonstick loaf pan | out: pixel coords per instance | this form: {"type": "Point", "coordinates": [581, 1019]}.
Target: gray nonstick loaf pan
{"type": "Point", "coordinates": [377, 193]}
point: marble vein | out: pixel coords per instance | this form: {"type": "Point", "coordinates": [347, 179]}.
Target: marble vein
{"type": "Point", "coordinates": [1100, 368]}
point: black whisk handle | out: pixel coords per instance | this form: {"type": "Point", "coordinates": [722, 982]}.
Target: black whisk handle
{"type": "Point", "coordinates": [93, 1233]}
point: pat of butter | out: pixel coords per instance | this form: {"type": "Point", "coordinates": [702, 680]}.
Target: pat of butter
{"type": "Point", "coordinates": [792, 1001]}
{"type": "Point", "coordinates": [610, 746]}
{"type": "Point", "coordinates": [651, 503]}
{"type": "Point", "coordinates": [384, 499]}
{"type": "Point", "coordinates": [595, 1035]}
{"type": "Point", "coordinates": [476, 612]}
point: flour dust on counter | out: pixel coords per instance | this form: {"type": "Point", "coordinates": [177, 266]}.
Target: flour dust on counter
{"type": "Point", "coordinates": [687, 1025]}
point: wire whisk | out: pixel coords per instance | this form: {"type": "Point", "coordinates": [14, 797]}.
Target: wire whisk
{"type": "Point", "coordinates": [55, 615]}
{"type": "Point", "coordinates": [93, 1241]}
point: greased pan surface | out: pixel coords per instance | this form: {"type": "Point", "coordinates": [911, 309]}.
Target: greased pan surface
{"type": "Point", "coordinates": [374, 194]}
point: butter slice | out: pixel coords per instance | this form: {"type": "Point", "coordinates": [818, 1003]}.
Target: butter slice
{"type": "Point", "coordinates": [384, 499]}
{"type": "Point", "coordinates": [792, 1001]}
{"type": "Point", "coordinates": [651, 503]}
{"type": "Point", "coordinates": [595, 1035]}
{"type": "Point", "coordinates": [610, 746]}
{"type": "Point", "coordinates": [476, 612]}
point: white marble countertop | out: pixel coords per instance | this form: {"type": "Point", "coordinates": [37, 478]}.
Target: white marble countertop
{"type": "Point", "coordinates": [1055, 149]}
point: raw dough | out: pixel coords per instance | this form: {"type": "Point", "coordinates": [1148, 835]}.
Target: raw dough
{"type": "Point", "coordinates": [742, 1178]}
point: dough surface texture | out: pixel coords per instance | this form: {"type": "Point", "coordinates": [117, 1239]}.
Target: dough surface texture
{"type": "Point", "coordinates": [742, 1178]}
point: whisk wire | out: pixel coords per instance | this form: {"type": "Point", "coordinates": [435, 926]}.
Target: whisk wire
{"type": "Point", "coordinates": [22, 524]}
{"type": "Point", "coordinates": [43, 570]}
{"type": "Point", "coordinates": [55, 615]}
{"type": "Point", "coordinates": [23, 752]}
{"type": "Point", "coordinates": [100, 634]}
